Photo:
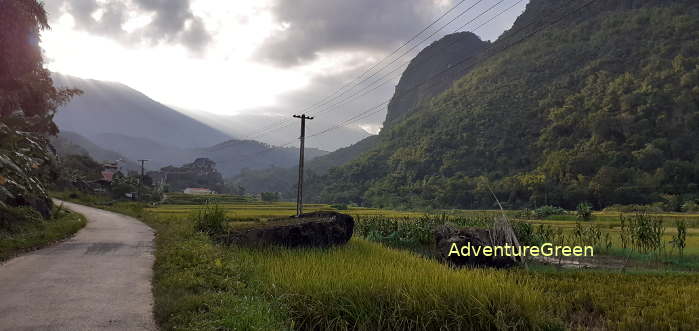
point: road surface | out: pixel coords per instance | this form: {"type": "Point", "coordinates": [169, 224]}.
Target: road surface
{"type": "Point", "coordinates": [98, 280]}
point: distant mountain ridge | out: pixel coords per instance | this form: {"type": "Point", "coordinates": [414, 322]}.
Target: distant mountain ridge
{"type": "Point", "coordinates": [107, 107]}
{"type": "Point", "coordinates": [113, 121]}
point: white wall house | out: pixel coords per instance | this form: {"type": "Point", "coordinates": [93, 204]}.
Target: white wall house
{"type": "Point", "coordinates": [195, 190]}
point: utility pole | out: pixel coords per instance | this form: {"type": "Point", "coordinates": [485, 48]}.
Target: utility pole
{"type": "Point", "coordinates": [140, 182]}
{"type": "Point", "coordinates": [299, 189]}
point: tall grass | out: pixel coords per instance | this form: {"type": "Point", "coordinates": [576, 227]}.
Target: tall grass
{"type": "Point", "coordinates": [366, 286]}
{"type": "Point", "coordinates": [412, 231]}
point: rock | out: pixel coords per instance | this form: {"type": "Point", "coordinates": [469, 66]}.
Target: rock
{"type": "Point", "coordinates": [478, 238]}
{"type": "Point", "coordinates": [319, 229]}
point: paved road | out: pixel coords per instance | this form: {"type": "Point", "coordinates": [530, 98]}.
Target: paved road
{"type": "Point", "coordinates": [98, 280]}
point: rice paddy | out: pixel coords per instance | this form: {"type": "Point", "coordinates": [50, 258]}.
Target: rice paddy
{"type": "Point", "coordinates": [365, 285]}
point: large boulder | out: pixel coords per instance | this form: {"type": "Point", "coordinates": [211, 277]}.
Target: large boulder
{"type": "Point", "coordinates": [471, 240]}
{"type": "Point", "coordinates": [319, 229]}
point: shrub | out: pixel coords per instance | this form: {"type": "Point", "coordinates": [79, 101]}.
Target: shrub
{"type": "Point", "coordinates": [339, 206]}
{"type": "Point", "coordinates": [545, 211]}
{"type": "Point", "coordinates": [210, 219]}
{"type": "Point", "coordinates": [642, 232]}
{"type": "Point", "coordinates": [584, 211]}
{"type": "Point", "coordinates": [14, 219]}
{"type": "Point", "coordinates": [525, 233]}
{"type": "Point", "coordinates": [679, 240]}
{"type": "Point", "coordinates": [690, 207]}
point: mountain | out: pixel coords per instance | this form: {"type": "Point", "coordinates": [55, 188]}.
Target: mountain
{"type": "Point", "coordinates": [576, 103]}
{"type": "Point", "coordinates": [240, 125]}
{"type": "Point", "coordinates": [71, 143]}
{"type": "Point", "coordinates": [230, 156]}
{"type": "Point", "coordinates": [107, 107]}
{"type": "Point", "coordinates": [443, 60]}
{"type": "Point", "coordinates": [442, 55]}
{"type": "Point", "coordinates": [112, 121]}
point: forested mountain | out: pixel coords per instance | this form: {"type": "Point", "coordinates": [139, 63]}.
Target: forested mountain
{"type": "Point", "coordinates": [439, 57]}
{"type": "Point", "coordinates": [602, 107]}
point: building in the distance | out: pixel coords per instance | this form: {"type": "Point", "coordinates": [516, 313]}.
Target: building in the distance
{"type": "Point", "coordinates": [197, 190]}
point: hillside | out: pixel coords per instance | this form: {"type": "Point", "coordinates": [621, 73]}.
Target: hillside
{"type": "Point", "coordinates": [71, 143]}
{"type": "Point", "coordinates": [107, 107]}
{"type": "Point", "coordinates": [602, 107]}
{"type": "Point", "coordinates": [439, 56]}
{"type": "Point", "coordinates": [230, 156]}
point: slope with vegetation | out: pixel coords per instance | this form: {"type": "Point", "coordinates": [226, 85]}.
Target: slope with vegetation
{"type": "Point", "coordinates": [601, 107]}
{"type": "Point", "coordinates": [441, 56]}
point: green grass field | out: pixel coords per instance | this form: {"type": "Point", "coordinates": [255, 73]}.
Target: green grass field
{"type": "Point", "coordinates": [201, 285]}
{"type": "Point", "coordinates": [36, 233]}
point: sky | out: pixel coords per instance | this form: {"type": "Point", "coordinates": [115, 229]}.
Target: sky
{"type": "Point", "coordinates": [256, 57]}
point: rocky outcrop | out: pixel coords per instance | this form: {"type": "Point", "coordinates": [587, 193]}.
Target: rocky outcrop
{"type": "Point", "coordinates": [320, 229]}
{"type": "Point", "coordinates": [433, 71]}
{"type": "Point", "coordinates": [471, 241]}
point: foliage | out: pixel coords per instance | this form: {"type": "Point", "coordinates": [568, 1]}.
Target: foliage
{"type": "Point", "coordinates": [411, 231]}
{"type": "Point", "coordinates": [679, 240]}
{"type": "Point", "coordinates": [690, 206]}
{"type": "Point", "coordinates": [546, 211]}
{"type": "Point", "coordinates": [339, 206]}
{"type": "Point", "coordinates": [642, 232]}
{"type": "Point", "coordinates": [601, 108]}
{"type": "Point", "coordinates": [269, 196]}
{"type": "Point", "coordinates": [23, 229]}
{"type": "Point", "coordinates": [28, 102]}
{"type": "Point", "coordinates": [210, 220]}
{"type": "Point", "coordinates": [584, 211]}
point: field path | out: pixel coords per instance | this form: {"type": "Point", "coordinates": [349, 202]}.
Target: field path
{"type": "Point", "coordinates": [98, 280]}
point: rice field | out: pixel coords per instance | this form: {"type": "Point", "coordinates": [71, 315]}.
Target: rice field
{"type": "Point", "coordinates": [364, 285]}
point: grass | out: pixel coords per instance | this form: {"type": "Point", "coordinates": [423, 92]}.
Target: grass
{"type": "Point", "coordinates": [367, 286]}
{"type": "Point", "coordinates": [199, 285]}
{"type": "Point", "coordinates": [37, 233]}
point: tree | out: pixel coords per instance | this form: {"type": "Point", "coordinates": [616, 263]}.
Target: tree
{"type": "Point", "coordinates": [28, 102]}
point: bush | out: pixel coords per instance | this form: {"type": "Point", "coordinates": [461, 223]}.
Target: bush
{"type": "Point", "coordinates": [269, 196]}
{"type": "Point", "coordinates": [690, 207]}
{"type": "Point", "coordinates": [652, 208]}
{"type": "Point", "coordinates": [210, 219]}
{"type": "Point", "coordinates": [339, 206]}
{"type": "Point", "coordinates": [545, 211]}
{"type": "Point", "coordinates": [584, 211]}
{"type": "Point", "coordinates": [14, 219]}
{"type": "Point", "coordinates": [525, 233]}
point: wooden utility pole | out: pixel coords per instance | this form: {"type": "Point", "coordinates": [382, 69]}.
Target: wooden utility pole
{"type": "Point", "coordinates": [140, 182]}
{"type": "Point", "coordinates": [299, 189]}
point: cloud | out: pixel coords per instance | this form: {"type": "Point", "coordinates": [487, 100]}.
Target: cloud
{"type": "Point", "coordinates": [171, 21]}
{"type": "Point", "coordinates": [310, 27]}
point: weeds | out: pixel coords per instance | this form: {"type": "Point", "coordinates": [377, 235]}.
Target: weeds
{"type": "Point", "coordinates": [210, 220]}
{"type": "Point", "coordinates": [642, 233]}
{"type": "Point", "coordinates": [679, 240]}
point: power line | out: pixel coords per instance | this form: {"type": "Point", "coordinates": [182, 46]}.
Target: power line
{"type": "Point", "coordinates": [286, 123]}
{"type": "Point", "coordinates": [546, 25]}
{"type": "Point", "coordinates": [493, 46]}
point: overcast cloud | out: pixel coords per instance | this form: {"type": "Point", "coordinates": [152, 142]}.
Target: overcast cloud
{"type": "Point", "coordinates": [253, 56]}
{"type": "Point", "coordinates": [312, 26]}
{"type": "Point", "coordinates": [169, 21]}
